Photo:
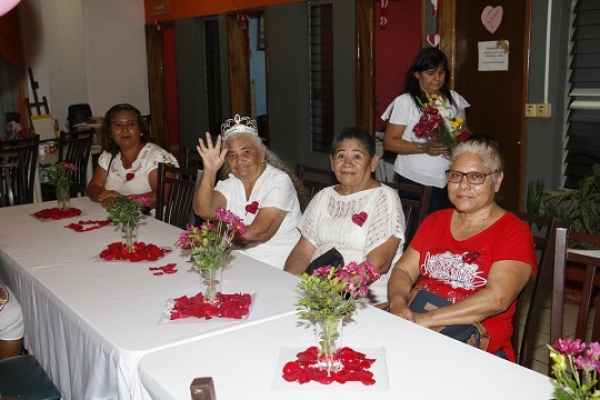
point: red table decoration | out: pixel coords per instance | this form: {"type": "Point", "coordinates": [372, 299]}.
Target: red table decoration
{"type": "Point", "coordinates": [56, 213]}
{"type": "Point", "coordinates": [89, 225]}
{"type": "Point", "coordinates": [355, 367]}
{"type": "Point", "coordinates": [234, 306]}
{"type": "Point", "coordinates": [118, 251]}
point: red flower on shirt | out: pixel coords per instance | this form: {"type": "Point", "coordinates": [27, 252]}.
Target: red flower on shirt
{"type": "Point", "coordinates": [129, 176]}
{"type": "Point", "coordinates": [360, 218]}
{"type": "Point", "coordinates": [252, 207]}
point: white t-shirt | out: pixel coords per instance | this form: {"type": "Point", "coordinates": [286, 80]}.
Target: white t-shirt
{"type": "Point", "coordinates": [327, 222]}
{"type": "Point", "coordinates": [274, 188]}
{"type": "Point", "coordinates": [138, 183]}
{"type": "Point", "coordinates": [421, 168]}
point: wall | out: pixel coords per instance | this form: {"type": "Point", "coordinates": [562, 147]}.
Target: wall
{"type": "Point", "coordinates": [76, 59]}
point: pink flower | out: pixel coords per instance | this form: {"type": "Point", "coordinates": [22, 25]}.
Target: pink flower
{"type": "Point", "coordinates": [224, 215]}
{"type": "Point", "coordinates": [68, 165]}
{"type": "Point", "coordinates": [142, 199]}
{"type": "Point", "coordinates": [360, 218]}
{"type": "Point", "coordinates": [569, 346]}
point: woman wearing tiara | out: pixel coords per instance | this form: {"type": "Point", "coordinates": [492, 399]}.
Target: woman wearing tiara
{"type": "Point", "coordinates": [259, 188]}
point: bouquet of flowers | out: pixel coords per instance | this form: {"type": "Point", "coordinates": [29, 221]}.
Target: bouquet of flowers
{"type": "Point", "coordinates": [58, 174]}
{"type": "Point", "coordinates": [127, 212]}
{"type": "Point", "coordinates": [575, 368]}
{"type": "Point", "coordinates": [437, 126]}
{"type": "Point", "coordinates": [212, 242]}
{"type": "Point", "coordinates": [329, 292]}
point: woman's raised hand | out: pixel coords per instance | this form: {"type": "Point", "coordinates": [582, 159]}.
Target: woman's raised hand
{"type": "Point", "coordinates": [212, 156]}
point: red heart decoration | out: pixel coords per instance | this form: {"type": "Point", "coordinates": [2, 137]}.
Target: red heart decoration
{"type": "Point", "coordinates": [252, 207]}
{"type": "Point", "coordinates": [360, 218]}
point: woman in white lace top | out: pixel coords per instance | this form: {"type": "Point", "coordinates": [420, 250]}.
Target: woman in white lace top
{"type": "Point", "coordinates": [360, 217]}
{"type": "Point", "coordinates": [129, 163]}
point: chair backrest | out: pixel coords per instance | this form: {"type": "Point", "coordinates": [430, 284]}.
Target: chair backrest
{"type": "Point", "coordinates": [590, 260]}
{"type": "Point", "coordinates": [78, 114]}
{"type": "Point", "coordinates": [12, 177]}
{"type": "Point", "coordinates": [75, 147]}
{"type": "Point", "coordinates": [544, 231]}
{"type": "Point", "coordinates": [415, 205]}
{"type": "Point", "coordinates": [174, 195]}
{"type": "Point", "coordinates": [315, 179]}
{"type": "Point", "coordinates": [191, 159]}
{"type": "Point", "coordinates": [30, 147]}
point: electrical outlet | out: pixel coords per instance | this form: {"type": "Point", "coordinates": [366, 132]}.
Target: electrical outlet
{"type": "Point", "coordinates": [543, 110]}
{"type": "Point", "coordinates": [530, 110]}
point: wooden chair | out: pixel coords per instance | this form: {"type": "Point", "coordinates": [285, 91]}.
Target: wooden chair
{"type": "Point", "coordinates": [203, 389]}
{"type": "Point", "coordinates": [12, 177]}
{"type": "Point", "coordinates": [75, 147]}
{"type": "Point", "coordinates": [175, 194]}
{"type": "Point", "coordinates": [190, 159]}
{"type": "Point", "coordinates": [315, 179]}
{"type": "Point", "coordinates": [589, 296]}
{"type": "Point", "coordinates": [30, 148]}
{"type": "Point", "coordinates": [544, 231]}
{"type": "Point", "coordinates": [415, 205]}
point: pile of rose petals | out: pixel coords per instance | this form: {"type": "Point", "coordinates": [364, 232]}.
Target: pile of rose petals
{"type": "Point", "coordinates": [165, 269]}
{"type": "Point", "coordinates": [234, 306]}
{"type": "Point", "coordinates": [355, 367]}
{"type": "Point", "coordinates": [57, 213]}
{"type": "Point", "coordinates": [89, 225]}
{"type": "Point", "coordinates": [117, 251]}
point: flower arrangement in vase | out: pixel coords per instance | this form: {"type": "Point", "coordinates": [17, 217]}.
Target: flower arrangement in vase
{"type": "Point", "coordinates": [437, 125]}
{"type": "Point", "coordinates": [126, 211]}
{"type": "Point", "coordinates": [575, 368]}
{"type": "Point", "coordinates": [328, 295]}
{"type": "Point", "coordinates": [58, 176]}
{"type": "Point", "coordinates": [211, 244]}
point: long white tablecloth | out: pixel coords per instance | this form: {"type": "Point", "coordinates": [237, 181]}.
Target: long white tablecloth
{"type": "Point", "coordinates": [420, 364]}
{"type": "Point", "coordinates": [89, 322]}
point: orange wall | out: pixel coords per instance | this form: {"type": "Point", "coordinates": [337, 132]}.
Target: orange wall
{"type": "Point", "coordinates": [179, 9]}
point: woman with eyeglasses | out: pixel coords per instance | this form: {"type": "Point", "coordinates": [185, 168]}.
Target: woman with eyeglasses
{"type": "Point", "coordinates": [476, 255]}
{"type": "Point", "coordinates": [128, 164]}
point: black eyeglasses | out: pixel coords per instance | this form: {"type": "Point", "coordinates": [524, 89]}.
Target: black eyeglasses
{"type": "Point", "coordinates": [474, 177]}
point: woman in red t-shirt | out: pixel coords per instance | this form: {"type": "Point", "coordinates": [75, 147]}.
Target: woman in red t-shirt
{"type": "Point", "coordinates": [476, 255]}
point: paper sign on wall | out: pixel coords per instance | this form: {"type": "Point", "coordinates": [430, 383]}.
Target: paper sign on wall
{"type": "Point", "coordinates": [492, 56]}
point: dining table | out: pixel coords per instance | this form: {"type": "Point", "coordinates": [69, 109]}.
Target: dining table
{"type": "Point", "coordinates": [89, 322]}
{"type": "Point", "coordinates": [411, 362]}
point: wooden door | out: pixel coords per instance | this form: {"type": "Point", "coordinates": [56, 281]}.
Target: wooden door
{"type": "Point", "coordinates": [156, 86]}
{"type": "Point", "coordinates": [497, 98]}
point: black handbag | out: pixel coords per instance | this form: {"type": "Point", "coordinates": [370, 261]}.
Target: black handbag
{"type": "Point", "coordinates": [475, 334]}
{"type": "Point", "coordinates": [331, 257]}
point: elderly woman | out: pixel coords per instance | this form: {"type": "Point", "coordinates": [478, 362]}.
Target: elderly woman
{"type": "Point", "coordinates": [260, 189]}
{"type": "Point", "coordinates": [360, 217]}
{"type": "Point", "coordinates": [476, 255]}
{"type": "Point", "coordinates": [129, 163]}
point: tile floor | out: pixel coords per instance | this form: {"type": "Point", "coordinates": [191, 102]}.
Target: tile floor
{"type": "Point", "coordinates": [540, 355]}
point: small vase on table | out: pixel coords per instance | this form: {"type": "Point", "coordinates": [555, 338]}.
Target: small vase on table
{"type": "Point", "coordinates": [129, 235]}
{"type": "Point", "coordinates": [329, 344]}
{"type": "Point", "coordinates": [210, 283]}
{"type": "Point", "coordinates": [63, 196]}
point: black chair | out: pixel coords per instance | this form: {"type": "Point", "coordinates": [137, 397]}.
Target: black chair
{"type": "Point", "coordinates": [78, 114]}
{"type": "Point", "coordinates": [22, 377]}
{"type": "Point", "coordinates": [544, 232]}
{"type": "Point", "coordinates": [589, 295]}
{"type": "Point", "coordinates": [191, 159]}
{"type": "Point", "coordinates": [12, 177]}
{"type": "Point", "coordinates": [30, 148]}
{"type": "Point", "coordinates": [75, 147]}
{"type": "Point", "coordinates": [415, 205]}
{"type": "Point", "coordinates": [315, 179]}
{"type": "Point", "coordinates": [174, 195]}
{"type": "Point", "coordinates": [203, 389]}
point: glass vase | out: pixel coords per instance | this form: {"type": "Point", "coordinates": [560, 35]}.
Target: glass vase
{"type": "Point", "coordinates": [329, 343]}
{"type": "Point", "coordinates": [63, 196]}
{"type": "Point", "coordinates": [129, 235]}
{"type": "Point", "coordinates": [210, 283]}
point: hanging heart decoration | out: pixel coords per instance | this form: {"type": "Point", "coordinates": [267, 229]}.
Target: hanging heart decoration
{"type": "Point", "coordinates": [491, 17]}
{"type": "Point", "coordinates": [436, 6]}
{"type": "Point", "coordinates": [434, 39]}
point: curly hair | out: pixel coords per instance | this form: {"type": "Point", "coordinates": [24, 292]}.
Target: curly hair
{"type": "Point", "coordinates": [110, 145]}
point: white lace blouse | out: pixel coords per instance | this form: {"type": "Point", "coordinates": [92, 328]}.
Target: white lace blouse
{"type": "Point", "coordinates": [328, 222]}
{"type": "Point", "coordinates": [134, 180]}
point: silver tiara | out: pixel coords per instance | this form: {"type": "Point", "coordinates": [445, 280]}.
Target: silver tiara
{"type": "Point", "coordinates": [238, 125]}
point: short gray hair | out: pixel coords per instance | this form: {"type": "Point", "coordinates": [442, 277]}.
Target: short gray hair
{"type": "Point", "coordinates": [486, 150]}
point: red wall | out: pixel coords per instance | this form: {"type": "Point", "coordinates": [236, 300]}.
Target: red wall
{"type": "Point", "coordinates": [395, 49]}
{"type": "Point", "coordinates": [10, 44]}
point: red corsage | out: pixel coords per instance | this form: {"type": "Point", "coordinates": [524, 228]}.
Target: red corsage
{"type": "Point", "coordinates": [360, 218]}
{"type": "Point", "coordinates": [84, 226]}
{"type": "Point", "coordinates": [355, 367]}
{"type": "Point", "coordinates": [141, 252]}
{"type": "Point", "coordinates": [252, 208]}
{"type": "Point", "coordinates": [57, 213]}
{"type": "Point", "coordinates": [129, 176]}
{"type": "Point", "coordinates": [235, 306]}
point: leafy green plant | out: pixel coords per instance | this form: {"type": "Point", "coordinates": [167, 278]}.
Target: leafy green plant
{"type": "Point", "coordinates": [579, 209]}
